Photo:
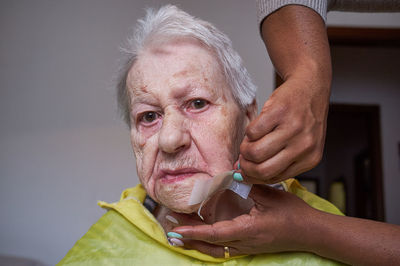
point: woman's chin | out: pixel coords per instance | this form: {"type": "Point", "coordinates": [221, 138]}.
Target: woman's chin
{"type": "Point", "coordinates": [179, 205]}
{"type": "Point", "coordinates": [183, 208]}
{"type": "Point", "coordinates": [175, 196]}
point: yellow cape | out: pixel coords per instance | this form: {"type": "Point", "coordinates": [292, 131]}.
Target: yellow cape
{"type": "Point", "coordinates": [128, 234]}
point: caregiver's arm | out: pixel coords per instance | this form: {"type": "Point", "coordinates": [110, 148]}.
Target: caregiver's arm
{"type": "Point", "coordinates": [282, 222]}
{"type": "Point", "coordinates": [287, 138]}
{"type": "Point", "coordinates": [355, 241]}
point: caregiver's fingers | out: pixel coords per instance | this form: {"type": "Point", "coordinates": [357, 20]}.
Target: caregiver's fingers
{"type": "Point", "coordinates": [300, 155]}
{"type": "Point", "coordinates": [264, 172]}
{"type": "Point", "coordinates": [272, 130]}
{"type": "Point", "coordinates": [217, 251]}
{"type": "Point", "coordinates": [220, 232]}
{"type": "Point", "coordinates": [266, 121]}
{"type": "Point", "coordinates": [267, 146]}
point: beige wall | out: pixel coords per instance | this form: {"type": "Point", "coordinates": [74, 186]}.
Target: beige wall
{"type": "Point", "coordinates": [62, 145]}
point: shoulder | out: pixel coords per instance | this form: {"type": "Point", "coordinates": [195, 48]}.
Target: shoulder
{"type": "Point", "coordinates": [110, 237]}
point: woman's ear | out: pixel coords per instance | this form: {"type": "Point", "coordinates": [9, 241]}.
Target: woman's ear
{"type": "Point", "coordinates": [251, 111]}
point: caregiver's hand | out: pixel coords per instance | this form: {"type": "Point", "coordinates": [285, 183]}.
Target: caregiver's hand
{"type": "Point", "coordinates": [276, 223]}
{"type": "Point", "coordinates": [287, 138]}
{"type": "Point", "coordinates": [281, 222]}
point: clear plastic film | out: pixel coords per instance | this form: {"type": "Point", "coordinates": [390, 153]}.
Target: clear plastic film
{"type": "Point", "coordinates": [205, 189]}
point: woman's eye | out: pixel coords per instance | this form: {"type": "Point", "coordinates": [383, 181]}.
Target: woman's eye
{"type": "Point", "coordinates": [198, 104]}
{"type": "Point", "coordinates": [149, 117]}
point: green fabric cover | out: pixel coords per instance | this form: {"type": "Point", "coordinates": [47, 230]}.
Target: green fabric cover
{"type": "Point", "coordinates": [129, 235]}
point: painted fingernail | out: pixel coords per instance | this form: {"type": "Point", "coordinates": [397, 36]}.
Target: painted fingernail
{"type": "Point", "coordinates": [171, 219]}
{"type": "Point", "coordinates": [238, 177]}
{"type": "Point", "coordinates": [175, 242]}
{"type": "Point", "coordinates": [174, 235]}
{"type": "Point", "coordinates": [238, 166]}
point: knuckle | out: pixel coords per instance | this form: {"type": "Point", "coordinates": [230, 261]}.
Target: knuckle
{"type": "Point", "coordinates": [213, 237]}
{"type": "Point", "coordinates": [244, 148]}
{"type": "Point", "coordinates": [315, 158]}
{"type": "Point", "coordinates": [309, 142]}
{"type": "Point", "coordinates": [255, 153]}
{"type": "Point", "coordinates": [251, 152]}
{"type": "Point", "coordinates": [264, 172]}
{"type": "Point", "coordinates": [278, 178]}
{"type": "Point", "coordinates": [249, 227]}
{"type": "Point", "coordinates": [297, 125]}
{"type": "Point", "coordinates": [252, 132]}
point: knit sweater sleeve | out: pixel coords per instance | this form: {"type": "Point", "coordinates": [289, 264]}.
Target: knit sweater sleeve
{"type": "Point", "coordinates": [266, 7]}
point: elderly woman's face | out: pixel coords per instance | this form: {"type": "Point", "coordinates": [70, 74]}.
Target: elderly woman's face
{"type": "Point", "coordinates": [185, 123]}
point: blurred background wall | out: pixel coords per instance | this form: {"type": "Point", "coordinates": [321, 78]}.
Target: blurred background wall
{"type": "Point", "coordinates": [62, 144]}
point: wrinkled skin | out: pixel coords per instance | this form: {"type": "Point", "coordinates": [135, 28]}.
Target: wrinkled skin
{"type": "Point", "coordinates": [186, 124]}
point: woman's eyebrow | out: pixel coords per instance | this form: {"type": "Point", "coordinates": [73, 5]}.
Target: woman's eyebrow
{"type": "Point", "coordinates": [183, 91]}
{"type": "Point", "coordinates": [189, 90]}
{"type": "Point", "coordinates": [143, 98]}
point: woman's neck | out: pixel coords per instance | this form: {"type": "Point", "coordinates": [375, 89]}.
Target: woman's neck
{"type": "Point", "coordinates": [223, 206]}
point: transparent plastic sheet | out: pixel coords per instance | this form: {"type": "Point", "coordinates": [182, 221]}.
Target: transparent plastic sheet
{"type": "Point", "coordinates": [205, 189]}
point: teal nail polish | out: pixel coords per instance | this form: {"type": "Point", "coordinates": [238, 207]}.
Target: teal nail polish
{"type": "Point", "coordinates": [175, 235]}
{"type": "Point", "coordinates": [238, 177]}
{"type": "Point", "coordinates": [238, 166]}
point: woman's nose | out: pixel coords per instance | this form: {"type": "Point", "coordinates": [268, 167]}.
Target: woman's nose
{"type": "Point", "coordinates": [174, 135]}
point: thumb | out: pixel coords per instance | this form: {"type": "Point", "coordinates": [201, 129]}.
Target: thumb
{"type": "Point", "coordinates": [261, 194]}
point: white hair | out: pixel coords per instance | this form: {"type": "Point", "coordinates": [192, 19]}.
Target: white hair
{"type": "Point", "coordinates": [171, 22]}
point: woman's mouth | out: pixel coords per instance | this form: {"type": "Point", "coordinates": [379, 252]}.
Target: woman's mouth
{"type": "Point", "coordinates": [172, 176]}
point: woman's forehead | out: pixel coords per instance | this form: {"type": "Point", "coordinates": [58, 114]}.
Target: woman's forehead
{"type": "Point", "coordinates": [177, 59]}
{"type": "Point", "coordinates": [186, 65]}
